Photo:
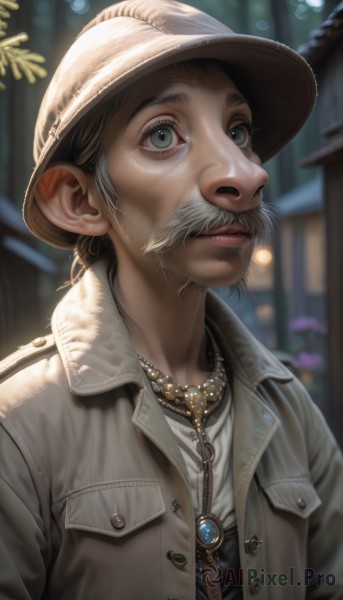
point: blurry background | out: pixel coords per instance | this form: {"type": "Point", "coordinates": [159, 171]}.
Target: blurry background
{"type": "Point", "coordinates": [295, 291]}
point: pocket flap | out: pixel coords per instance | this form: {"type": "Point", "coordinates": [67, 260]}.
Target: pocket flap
{"type": "Point", "coordinates": [137, 502]}
{"type": "Point", "coordinates": [297, 496]}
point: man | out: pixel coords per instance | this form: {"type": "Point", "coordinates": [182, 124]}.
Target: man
{"type": "Point", "coordinates": [150, 446]}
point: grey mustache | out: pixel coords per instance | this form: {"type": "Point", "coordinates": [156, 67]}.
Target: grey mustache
{"type": "Point", "coordinates": [199, 217]}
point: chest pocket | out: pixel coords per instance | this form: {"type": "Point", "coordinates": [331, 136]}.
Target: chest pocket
{"type": "Point", "coordinates": [297, 496]}
{"type": "Point", "coordinates": [115, 508]}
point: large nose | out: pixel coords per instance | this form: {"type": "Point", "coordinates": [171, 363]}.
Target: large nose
{"type": "Point", "coordinates": [231, 178]}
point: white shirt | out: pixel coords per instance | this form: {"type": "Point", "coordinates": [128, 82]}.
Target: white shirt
{"type": "Point", "coordinates": [219, 434]}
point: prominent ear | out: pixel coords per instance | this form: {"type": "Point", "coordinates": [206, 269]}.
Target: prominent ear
{"type": "Point", "coordinates": [68, 197]}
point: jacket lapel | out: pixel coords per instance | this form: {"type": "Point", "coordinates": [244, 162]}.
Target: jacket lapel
{"type": "Point", "coordinates": [255, 426]}
{"type": "Point", "coordinates": [149, 418]}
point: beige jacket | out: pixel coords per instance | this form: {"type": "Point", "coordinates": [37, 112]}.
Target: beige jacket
{"type": "Point", "coordinates": [82, 439]}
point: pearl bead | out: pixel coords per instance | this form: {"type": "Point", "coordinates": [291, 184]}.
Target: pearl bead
{"type": "Point", "coordinates": [152, 374]}
{"type": "Point", "coordinates": [169, 391]}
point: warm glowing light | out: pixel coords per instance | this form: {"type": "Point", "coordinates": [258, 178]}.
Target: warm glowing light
{"type": "Point", "coordinates": [262, 257]}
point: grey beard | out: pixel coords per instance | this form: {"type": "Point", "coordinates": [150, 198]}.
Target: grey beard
{"type": "Point", "coordinates": [199, 217]}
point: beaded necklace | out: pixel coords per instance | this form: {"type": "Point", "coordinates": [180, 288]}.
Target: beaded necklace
{"type": "Point", "coordinates": [197, 403]}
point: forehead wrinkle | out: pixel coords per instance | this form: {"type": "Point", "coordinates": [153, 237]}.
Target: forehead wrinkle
{"type": "Point", "coordinates": [179, 98]}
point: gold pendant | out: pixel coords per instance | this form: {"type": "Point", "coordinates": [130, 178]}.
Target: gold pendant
{"type": "Point", "coordinates": [196, 403]}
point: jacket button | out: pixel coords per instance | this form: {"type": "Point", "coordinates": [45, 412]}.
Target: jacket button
{"type": "Point", "coordinates": [255, 586]}
{"type": "Point", "coordinates": [252, 544]}
{"type": "Point", "coordinates": [267, 416]}
{"type": "Point", "coordinates": [175, 505]}
{"type": "Point", "coordinates": [301, 503]}
{"type": "Point", "coordinates": [179, 560]}
{"type": "Point", "coordinates": [118, 521]}
{"type": "Point", "coordinates": [38, 342]}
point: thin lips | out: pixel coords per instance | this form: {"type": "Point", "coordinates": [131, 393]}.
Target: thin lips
{"type": "Point", "coordinates": [227, 230]}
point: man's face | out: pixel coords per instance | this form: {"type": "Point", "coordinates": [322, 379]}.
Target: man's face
{"type": "Point", "coordinates": [182, 142]}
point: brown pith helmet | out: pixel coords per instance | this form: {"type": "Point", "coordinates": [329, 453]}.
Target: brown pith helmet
{"type": "Point", "coordinates": [133, 38]}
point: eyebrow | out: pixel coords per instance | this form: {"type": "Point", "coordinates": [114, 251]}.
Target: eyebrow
{"type": "Point", "coordinates": [183, 99]}
{"type": "Point", "coordinates": [176, 98]}
{"type": "Point", "coordinates": [236, 99]}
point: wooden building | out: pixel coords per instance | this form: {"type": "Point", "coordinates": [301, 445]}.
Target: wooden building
{"type": "Point", "coordinates": [324, 51]}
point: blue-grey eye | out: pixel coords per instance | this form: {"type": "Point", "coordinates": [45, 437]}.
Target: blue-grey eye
{"type": "Point", "coordinates": [240, 134]}
{"type": "Point", "coordinates": [162, 137]}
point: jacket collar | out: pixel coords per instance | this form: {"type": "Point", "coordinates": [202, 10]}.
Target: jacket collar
{"type": "Point", "coordinates": [249, 359]}
{"type": "Point", "coordinates": [96, 349]}
{"type": "Point", "coordinates": [91, 337]}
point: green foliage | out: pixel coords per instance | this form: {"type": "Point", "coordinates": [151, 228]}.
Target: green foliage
{"type": "Point", "coordinates": [20, 60]}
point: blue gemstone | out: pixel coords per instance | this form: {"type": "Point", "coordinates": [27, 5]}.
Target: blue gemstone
{"type": "Point", "coordinates": [208, 532]}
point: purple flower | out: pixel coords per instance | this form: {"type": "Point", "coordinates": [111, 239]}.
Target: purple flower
{"type": "Point", "coordinates": [302, 324]}
{"type": "Point", "coordinates": [309, 362]}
